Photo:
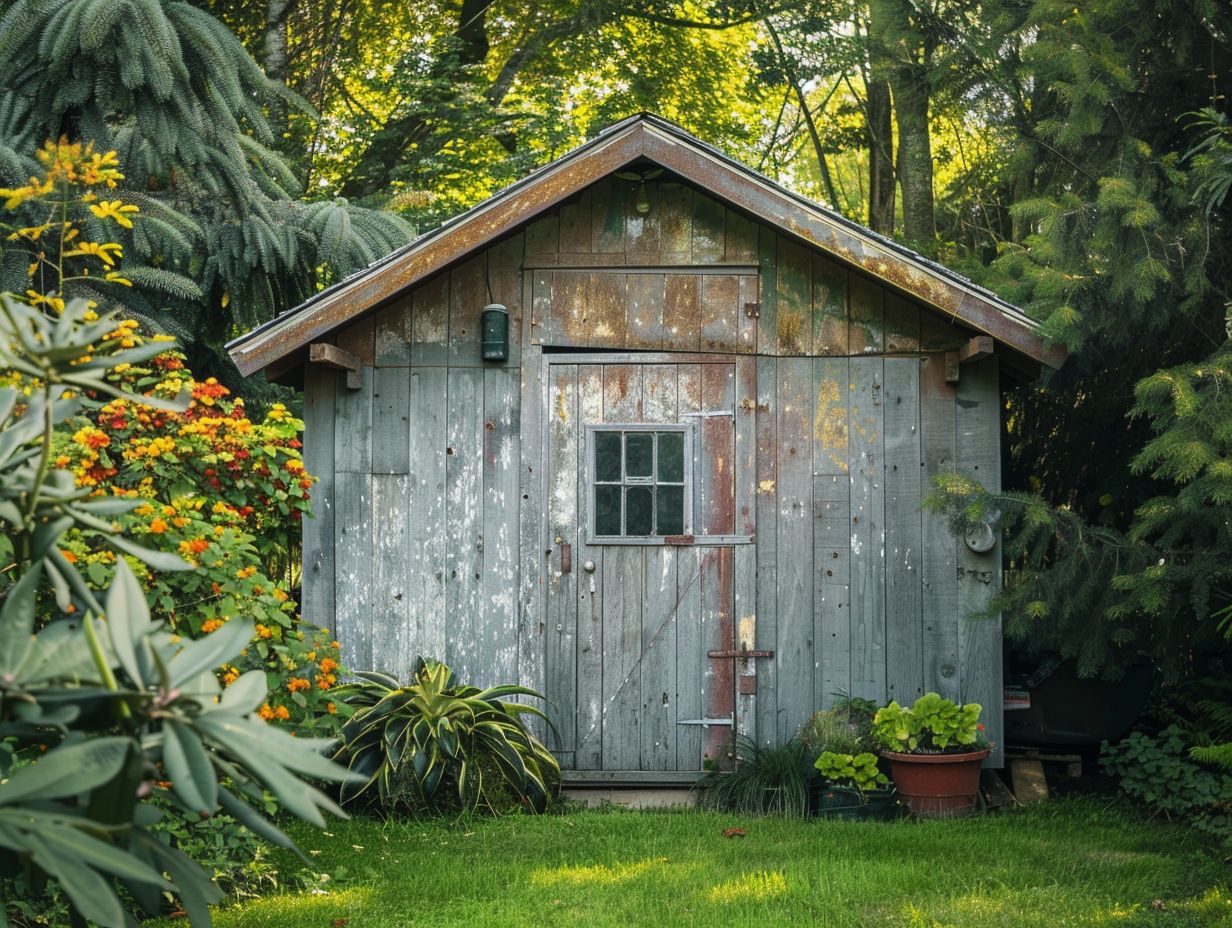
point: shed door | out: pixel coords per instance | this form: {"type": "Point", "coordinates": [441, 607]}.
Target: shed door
{"type": "Point", "coordinates": [650, 527]}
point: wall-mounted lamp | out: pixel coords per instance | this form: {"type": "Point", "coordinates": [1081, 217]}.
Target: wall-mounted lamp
{"type": "Point", "coordinates": [494, 332]}
{"type": "Point", "coordinates": [641, 202]}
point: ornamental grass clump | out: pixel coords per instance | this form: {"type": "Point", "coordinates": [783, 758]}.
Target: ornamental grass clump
{"type": "Point", "coordinates": [435, 746]}
{"type": "Point", "coordinates": [933, 725]}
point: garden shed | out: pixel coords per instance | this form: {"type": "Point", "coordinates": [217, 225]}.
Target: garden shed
{"type": "Point", "coordinates": [680, 492]}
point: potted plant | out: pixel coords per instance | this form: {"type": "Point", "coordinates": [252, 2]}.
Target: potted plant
{"type": "Point", "coordinates": [935, 749]}
{"type": "Point", "coordinates": [852, 787]}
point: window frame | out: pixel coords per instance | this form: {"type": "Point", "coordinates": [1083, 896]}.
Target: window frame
{"type": "Point", "coordinates": [591, 476]}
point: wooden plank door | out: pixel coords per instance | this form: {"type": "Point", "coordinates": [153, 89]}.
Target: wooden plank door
{"type": "Point", "coordinates": [650, 527]}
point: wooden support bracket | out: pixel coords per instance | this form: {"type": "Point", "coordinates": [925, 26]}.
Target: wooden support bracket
{"type": "Point", "coordinates": [333, 356]}
{"type": "Point", "coordinates": [977, 349]}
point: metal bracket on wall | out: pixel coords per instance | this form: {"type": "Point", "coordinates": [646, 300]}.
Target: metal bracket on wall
{"type": "Point", "coordinates": [329, 355]}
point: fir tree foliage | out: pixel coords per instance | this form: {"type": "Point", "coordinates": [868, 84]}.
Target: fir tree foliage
{"type": "Point", "coordinates": [223, 242]}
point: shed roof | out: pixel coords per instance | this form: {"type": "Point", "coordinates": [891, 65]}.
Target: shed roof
{"type": "Point", "coordinates": [642, 138]}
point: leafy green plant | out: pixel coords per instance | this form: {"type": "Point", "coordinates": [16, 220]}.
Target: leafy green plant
{"type": "Point", "coordinates": [764, 781]}
{"type": "Point", "coordinates": [855, 771]}
{"type": "Point", "coordinates": [1159, 773]}
{"type": "Point", "coordinates": [433, 744]}
{"type": "Point", "coordinates": [843, 728]}
{"type": "Point", "coordinates": [932, 725]}
{"type": "Point", "coordinates": [98, 706]}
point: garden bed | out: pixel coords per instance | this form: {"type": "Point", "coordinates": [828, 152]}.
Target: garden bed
{"type": "Point", "coordinates": [1071, 862]}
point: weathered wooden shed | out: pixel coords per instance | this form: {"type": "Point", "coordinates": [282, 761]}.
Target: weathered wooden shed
{"type": "Point", "coordinates": [720, 407]}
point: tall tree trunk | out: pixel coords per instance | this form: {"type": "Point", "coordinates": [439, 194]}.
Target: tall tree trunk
{"type": "Point", "coordinates": [915, 155]}
{"type": "Point", "coordinates": [880, 131]}
{"type": "Point", "coordinates": [276, 14]}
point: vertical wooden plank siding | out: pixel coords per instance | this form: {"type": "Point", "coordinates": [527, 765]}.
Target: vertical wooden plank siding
{"type": "Point", "coordinates": [498, 655]}
{"type": "Point", "coordinates": [394, 648]}
{"type": "Point", "coordinates": [464, 521]}
{"type": "Point", "coordinates": [587, 614]}
{"type": "Point", "coordinates": [794, 299]}
{"type": "Point", "coordinates": [533, 562]}
{"type": "Point", "coordinates": [353, 557]}
{"type": "Point", "coordinates": [708, 232]}
{"type": "Point", "coordinates": [560, 655]}
{"type": "Point", "coordinates": [658, 682]}
{"type": "Point", "coordinates": [795, 653]}
{"type": "Point", "coordinates": [430, 325]}
{"type": "Point", "coordinates": [505, 281]}
{"type": "Point", "coordinates": [866, 334]}
{"type": "Point", "coordinates": [317, 581]}
{"type": "Point", "coordinates": [744, 596]}
{"type": "Point", "coordinates": [829, 307]}
{"type": "Point", "coordinates": [353, 426]}
{"type": "Point", "coordinates": [767, 544]}
{"type": "Point", "coordinates": [393, 334]}
{"type": "Point", "coordinates": [713, 473]}
{"type": "Point", "coordinates": [426, 511]}
{"type": "Point", "coordinates": [767, 261]}
{"type": "Point", "coordinates": [832, 530]}
{"type": "Point", "coordinates": [868, 567]}
{"type": "Point", "coordinates": [903, 539]}
{"type": "Point", "coordinates": [978, 446]}
{"type": "Point", "coordinates": [622, 601]}
{"type": "Point", "coordinates": [940, 613]}
{"type": "Point", "coordinates": [391, 420]}
{"type": "Point", "coordinates": [693, 671]}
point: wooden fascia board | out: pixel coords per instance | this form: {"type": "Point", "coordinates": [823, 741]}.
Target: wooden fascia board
{"type": "Point", "coordinates": [762, 200]}
{"type": "Point", "coordinates": [502, 215]}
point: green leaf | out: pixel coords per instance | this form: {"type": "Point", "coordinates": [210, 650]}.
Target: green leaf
{"type": "Point", "coordinates": [188, 765]}
{"type": "Point", "coordinates": [67, 770]}
{"type": "Point", "coordinates": [207, 653]}
{"type": "Point", "coordinates": [17, 620]}
{"type": "Point", "coordinates": [128, 622]}
{"type": "Point", "coordinates": [245, 694]}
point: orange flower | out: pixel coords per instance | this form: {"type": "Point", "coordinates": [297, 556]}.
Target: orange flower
{"type": "Point", "coordinates": [69, 556]}
{"type": "Point", "coordinates": [298, 683]}
{"type": "Point", "coordinates": [331, 708]}
{"type": "Point", "coordinates": [282, 713]}
{"type": "Point", "coordinates": [328, 664]}
{"type": "Point", "coordinates": [265, 711]}
{"type": "Point", "coordinates": [264, 631]}
{"type": "Point", "coordinates": [158, 526]}
{"type": "Point", "coordinates": [325, 680]}
{"type": "Point", "coordinates": [211, 625]}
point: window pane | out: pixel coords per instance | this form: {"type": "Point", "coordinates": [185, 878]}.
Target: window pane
{"type": "Point", "coordinates": [607, 456]}
{"type": "Point", "coordinates": [607, 510]}
{"type": "Point", "coordinates": [671, 510]}
{"type": "Point", "coordinates": [638, 453]}
{"type": "Point", "coordinates": [639, 510]}
{"type": "Point", "coordinates": [671, 456]}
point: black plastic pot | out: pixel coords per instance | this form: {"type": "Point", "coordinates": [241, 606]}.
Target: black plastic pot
{"type": "Point", "coordinates": [841, 802]}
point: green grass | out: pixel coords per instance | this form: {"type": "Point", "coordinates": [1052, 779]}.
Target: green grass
{"type": "Point", "coordinates": [1075, 862]}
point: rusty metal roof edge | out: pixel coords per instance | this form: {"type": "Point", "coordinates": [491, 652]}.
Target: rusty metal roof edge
{"type": "Point", "coordinates": [1052, 355]}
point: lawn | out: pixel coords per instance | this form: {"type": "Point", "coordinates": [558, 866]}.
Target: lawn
{"type": "Point", "coordinates": [1071, 862]}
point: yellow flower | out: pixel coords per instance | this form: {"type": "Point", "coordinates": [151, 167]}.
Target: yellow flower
{"type": "Point", "coordinates": [106, 252]}
{"type": "Point", "coordinates": [114, 209]}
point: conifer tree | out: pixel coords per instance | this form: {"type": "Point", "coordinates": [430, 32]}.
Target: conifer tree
{"type": "Point", "coordinates": [223, 242]}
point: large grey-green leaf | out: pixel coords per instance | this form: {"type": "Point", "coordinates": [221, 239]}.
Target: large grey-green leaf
{"type": "Point", "coordinates": [188, 765]}
{"type": "Point", "coordinates": [17, 620]}
{"type": "Point", "coordinates": [209, 652]}
{"type": "Point", "coordinates": [59, 652]}
{"type": "Point", "coordinates": [128, 621]}
{"type": "Point", "coordinates": [246, 693]}
{"type": "Point", "coordinates": [67, 770]}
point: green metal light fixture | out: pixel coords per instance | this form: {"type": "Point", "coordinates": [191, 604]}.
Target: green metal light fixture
{"type": "Point", "coordinates": [494, 332]}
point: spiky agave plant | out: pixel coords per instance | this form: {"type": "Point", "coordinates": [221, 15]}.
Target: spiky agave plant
{"type": "Point", "coordinates": [422, 744]}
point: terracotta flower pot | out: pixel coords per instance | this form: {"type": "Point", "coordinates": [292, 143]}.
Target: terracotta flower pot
{"type": "Point", "coordinates": [937, 785]}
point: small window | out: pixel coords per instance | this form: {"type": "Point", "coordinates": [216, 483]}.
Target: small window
{"type": "Point", "coordinates": [640, 482]}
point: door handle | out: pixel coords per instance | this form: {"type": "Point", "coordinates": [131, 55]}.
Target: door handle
{"type": "Point", "coordinates": [566, 557]}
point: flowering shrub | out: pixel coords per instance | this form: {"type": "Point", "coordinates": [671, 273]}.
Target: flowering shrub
{"type": "Point", "coordinates": [223, 491]}
{"type": "Point", "coordinates": [226, 493]}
